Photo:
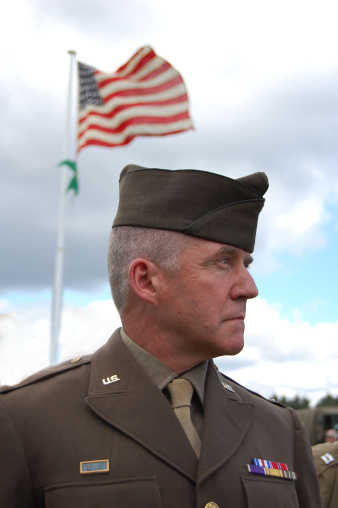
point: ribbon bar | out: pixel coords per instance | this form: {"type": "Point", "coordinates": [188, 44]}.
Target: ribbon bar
{"type": "Point", "coordinates": [270, 471]}
{"type": "Point", "coordinates": [270, 464]}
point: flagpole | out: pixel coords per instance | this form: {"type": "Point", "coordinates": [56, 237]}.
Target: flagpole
{"type": "Point", "coordinates": [59, 255]}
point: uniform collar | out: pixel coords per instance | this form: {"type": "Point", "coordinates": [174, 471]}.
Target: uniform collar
{"type": "Point", "coordinates": [160, 373]}
{"type": "Point", "coordinates": [125, 397]}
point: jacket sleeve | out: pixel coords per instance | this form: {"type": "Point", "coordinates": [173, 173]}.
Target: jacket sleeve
{"type": "Point", "coordinates": [307, 481]}
{"type": "Point", "coordinates": [15, 484]}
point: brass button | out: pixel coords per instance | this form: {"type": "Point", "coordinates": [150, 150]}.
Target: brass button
{"type": "Point", "coordinates": [74, 360]}
{"type": "Point", "coordinates": [211, 505]}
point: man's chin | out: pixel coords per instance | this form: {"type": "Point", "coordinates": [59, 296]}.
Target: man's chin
{"type": "Point", "coordinates": [233, 348]}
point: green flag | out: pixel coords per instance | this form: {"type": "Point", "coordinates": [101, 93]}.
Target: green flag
{"type": "Point", "coordinates": [74, 183]}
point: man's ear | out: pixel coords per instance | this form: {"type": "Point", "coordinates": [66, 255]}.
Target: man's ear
{"type": "Point", "coordinates": [143, 276]}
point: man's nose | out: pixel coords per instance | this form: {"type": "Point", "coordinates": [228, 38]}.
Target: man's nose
{"type": "Point", "coordinates": [245, 286]}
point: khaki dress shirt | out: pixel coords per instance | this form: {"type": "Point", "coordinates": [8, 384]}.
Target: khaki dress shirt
{"type": "Point", "coordinates": [163, 375]}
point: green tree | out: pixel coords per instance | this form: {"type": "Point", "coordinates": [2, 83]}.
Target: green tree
{"type": "Point", "coordinates": [328, 400]}
{"type": "Point", "coordinates": [296, 402]}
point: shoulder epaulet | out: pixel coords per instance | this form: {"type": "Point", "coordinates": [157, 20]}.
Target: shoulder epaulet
{"type": "Point", "coordinates": [325, 456]}
{"type": "Point", "coordinates": [48, 372]}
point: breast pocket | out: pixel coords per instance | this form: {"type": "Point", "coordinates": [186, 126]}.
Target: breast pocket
{"type": "Point", "coordinates": [124, 493]}
{"type": "Point", "coordinates": [269, 492]}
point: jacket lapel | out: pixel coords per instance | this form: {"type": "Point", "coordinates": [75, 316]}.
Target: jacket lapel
{"type": "Point", "coordinates": [226, 422]}
{"type": "Point", "coordinates": [125, 397]}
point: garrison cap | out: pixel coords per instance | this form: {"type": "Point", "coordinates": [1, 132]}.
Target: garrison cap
{"type": "Point", "coordinates": [193, 202]}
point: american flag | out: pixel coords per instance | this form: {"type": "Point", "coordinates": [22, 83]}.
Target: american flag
{"type": "Point", "coordinates": [145, 97]}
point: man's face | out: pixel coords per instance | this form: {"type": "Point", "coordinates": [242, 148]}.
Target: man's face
{"type": "Point", "coordinates": [330, 436]}
{"type": "Point", "coordinates": [203, 305]}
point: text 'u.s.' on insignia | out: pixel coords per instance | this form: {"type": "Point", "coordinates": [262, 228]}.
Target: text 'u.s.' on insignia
{"type": "Point", "coordinates": [111, 379]}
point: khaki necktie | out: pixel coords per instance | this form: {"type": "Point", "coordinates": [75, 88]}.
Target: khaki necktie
{"type": "Point", "coordinates": [181, 391]}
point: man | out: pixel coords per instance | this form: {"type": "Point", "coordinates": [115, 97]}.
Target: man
{"type": "Point", "coordinates": [331, 435]}
{"type": "Point", "coordinates": [148, 421]}
{"type": "Point", "coordinates": [326, 461]}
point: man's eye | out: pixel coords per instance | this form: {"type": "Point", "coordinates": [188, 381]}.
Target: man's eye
{"type": "Point", "coordinates": [224, 261]}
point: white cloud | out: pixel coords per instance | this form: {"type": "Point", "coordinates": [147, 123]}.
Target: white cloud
{"type": "Point", "coordinates": [25, 336]}
{"type": "Point", "coordinates": [285, 356]}
{"type": "Point", "coordinates": [262, 82]}
{"type": "Point", "coordinates": [261, 100]}
{"type": "Point", "coordinates": [302, 217]}
{"type": "Point", "coordinates": [282, 356]}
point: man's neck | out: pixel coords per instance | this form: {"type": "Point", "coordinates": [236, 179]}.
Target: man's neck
{"type": "Point", "coordinates": [161, 345]}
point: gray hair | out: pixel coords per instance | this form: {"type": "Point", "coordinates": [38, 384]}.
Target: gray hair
{"type": "Point", "coordinates": [126, 243]}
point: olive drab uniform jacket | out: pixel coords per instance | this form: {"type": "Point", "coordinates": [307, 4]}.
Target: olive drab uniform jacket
{"type": "Point", "coordinates": [97, 432]}
{"type": "Point", "coordinates": [326, 462]}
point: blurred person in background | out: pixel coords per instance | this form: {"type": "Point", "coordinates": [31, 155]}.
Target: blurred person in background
{"type": "Point", "coordinates": [331, 436]}
{"type": "Point", "coordinates": [326, 462]}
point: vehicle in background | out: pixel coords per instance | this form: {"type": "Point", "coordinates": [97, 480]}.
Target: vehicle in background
{"type": "Point", "coordinates": [318, 420]}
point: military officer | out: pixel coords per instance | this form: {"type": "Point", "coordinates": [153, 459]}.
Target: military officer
{"type": "Point", "coordinates": [331, 435]}
{"type": "Point", "coordinates": [326, 461]}
{"type": "Point", "coordinates": [147, 420]}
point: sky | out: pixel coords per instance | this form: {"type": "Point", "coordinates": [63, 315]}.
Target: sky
{"type": "Point", "coordinates": [262, 79]}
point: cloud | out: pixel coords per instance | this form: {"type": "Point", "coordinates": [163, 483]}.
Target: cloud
{"type": "Point", "coordinates": [285, 356]}
{"type": "Point", "coordinates": [256, 107]}
{"type": "Point", "coordinates": [97, 20]}
{"type": "Point", "coordinates": [25, 335]}
{"type": "Point", "coordinates": [282, 356]}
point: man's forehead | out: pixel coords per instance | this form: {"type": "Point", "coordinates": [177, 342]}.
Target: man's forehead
{"type": "Point", "coordinates": [231, 249]}
{"type": "Point", "coordinates": [215, 248]}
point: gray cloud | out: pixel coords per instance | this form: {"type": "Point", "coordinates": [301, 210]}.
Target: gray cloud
{"type": "Point", "coordinates": [109, 22]}
{"type": "Point", "coordinates": [284, 128]}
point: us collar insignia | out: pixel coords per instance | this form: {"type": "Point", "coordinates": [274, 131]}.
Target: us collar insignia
{"type": "Point", "coordinates": [94, 466]}
{"type": "Point", "coordinates": [227, 387]}
{"type": "Point", "coordinates": [270, 468]}
{"type": "Point", "coordinates": [111, 379]}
